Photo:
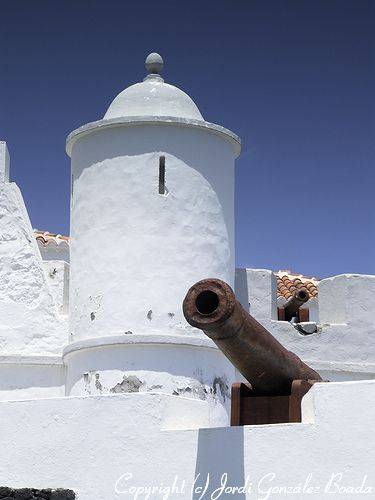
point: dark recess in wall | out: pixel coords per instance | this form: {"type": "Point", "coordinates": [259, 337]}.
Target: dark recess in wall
{"type": "Point", "coordinates": [33, 494]}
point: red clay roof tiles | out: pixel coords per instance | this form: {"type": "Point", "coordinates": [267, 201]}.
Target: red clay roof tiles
{"type": "Point", "coordinates": [288, 282]}
{"type": "Point", "coordinates": [46, 238]}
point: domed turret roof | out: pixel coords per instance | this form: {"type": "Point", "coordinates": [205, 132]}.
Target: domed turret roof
{"type": "Point", "coordinates": [153, 97]}
{"type": "Point", "coordinates": [153, 102]}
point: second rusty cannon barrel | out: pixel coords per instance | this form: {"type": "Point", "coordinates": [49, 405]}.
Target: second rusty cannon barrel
{"type": "Point", "coordinates": [293, 304]}
{"type": "Point", "coordinates": [211, 306]}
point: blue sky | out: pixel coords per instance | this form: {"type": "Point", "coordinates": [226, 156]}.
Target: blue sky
{"type": "Point", "coordinates": [294, 79]}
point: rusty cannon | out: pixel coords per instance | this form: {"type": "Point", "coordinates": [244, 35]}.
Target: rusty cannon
{"type": "Point", "coordinates": [270, 368]}
{"type": "Point", "coordinates": [292, 305]}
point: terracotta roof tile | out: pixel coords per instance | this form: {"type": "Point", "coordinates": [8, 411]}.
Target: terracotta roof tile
{"type": "Point", "coordinates": [45, 238]}
{"type": "Point", "coordinates": [288, 282]}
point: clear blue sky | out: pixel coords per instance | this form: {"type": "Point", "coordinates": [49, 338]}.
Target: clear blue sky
{"type": "Point", "coordinates": [295, 79]}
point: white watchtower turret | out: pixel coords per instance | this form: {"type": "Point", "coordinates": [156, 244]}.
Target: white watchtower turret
{"type": "Point", "coordinates": [152, 212]}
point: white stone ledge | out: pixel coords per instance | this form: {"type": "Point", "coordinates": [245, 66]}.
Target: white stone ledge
{"type": "Point", "coordinates": [153, 120]}
{"type": "Point", "coordinates": [138, 339]}
{"type": "Point", "coordinates": [30, 360]}
{"type": "Point", "coordinates": [342, 367]}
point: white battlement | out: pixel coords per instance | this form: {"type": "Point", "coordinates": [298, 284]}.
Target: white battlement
{"type": "Point", "coordinates": [342, 346]}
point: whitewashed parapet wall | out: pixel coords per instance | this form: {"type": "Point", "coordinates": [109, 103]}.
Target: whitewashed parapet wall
{"type": "Point", "coordinates": [113, 447]}
{"type": "Point", "coordinates": [343, 347]}
{"type": "Point", "coordinates": [32, 332]}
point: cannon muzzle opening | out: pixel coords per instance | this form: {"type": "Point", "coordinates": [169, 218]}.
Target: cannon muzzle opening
{"type": "Point", "coordinates": [207, 302]}
{"type": "Point", "coordinates": [302, 295]}
{"type": "Point", "coordinates": [291, 308]}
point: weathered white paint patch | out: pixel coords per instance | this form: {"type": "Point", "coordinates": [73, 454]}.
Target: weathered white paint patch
{"type": "Point", "coordinates": [57, 273]}
{"type": "Point", "coordinates": [151, 363]}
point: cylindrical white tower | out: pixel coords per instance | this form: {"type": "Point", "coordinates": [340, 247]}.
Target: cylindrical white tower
{"type": "Point", "coordinates": [152, 213]}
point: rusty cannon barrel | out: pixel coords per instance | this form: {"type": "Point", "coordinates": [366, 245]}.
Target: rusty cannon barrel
{"type": "Point", "coordinates": [293, 304]}
{"type": "Point", "coordinates": [211, 306]}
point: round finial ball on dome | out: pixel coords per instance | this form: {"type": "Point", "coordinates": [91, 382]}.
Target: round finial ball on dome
{"type": "Point", "coordinates": [154, 63]}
